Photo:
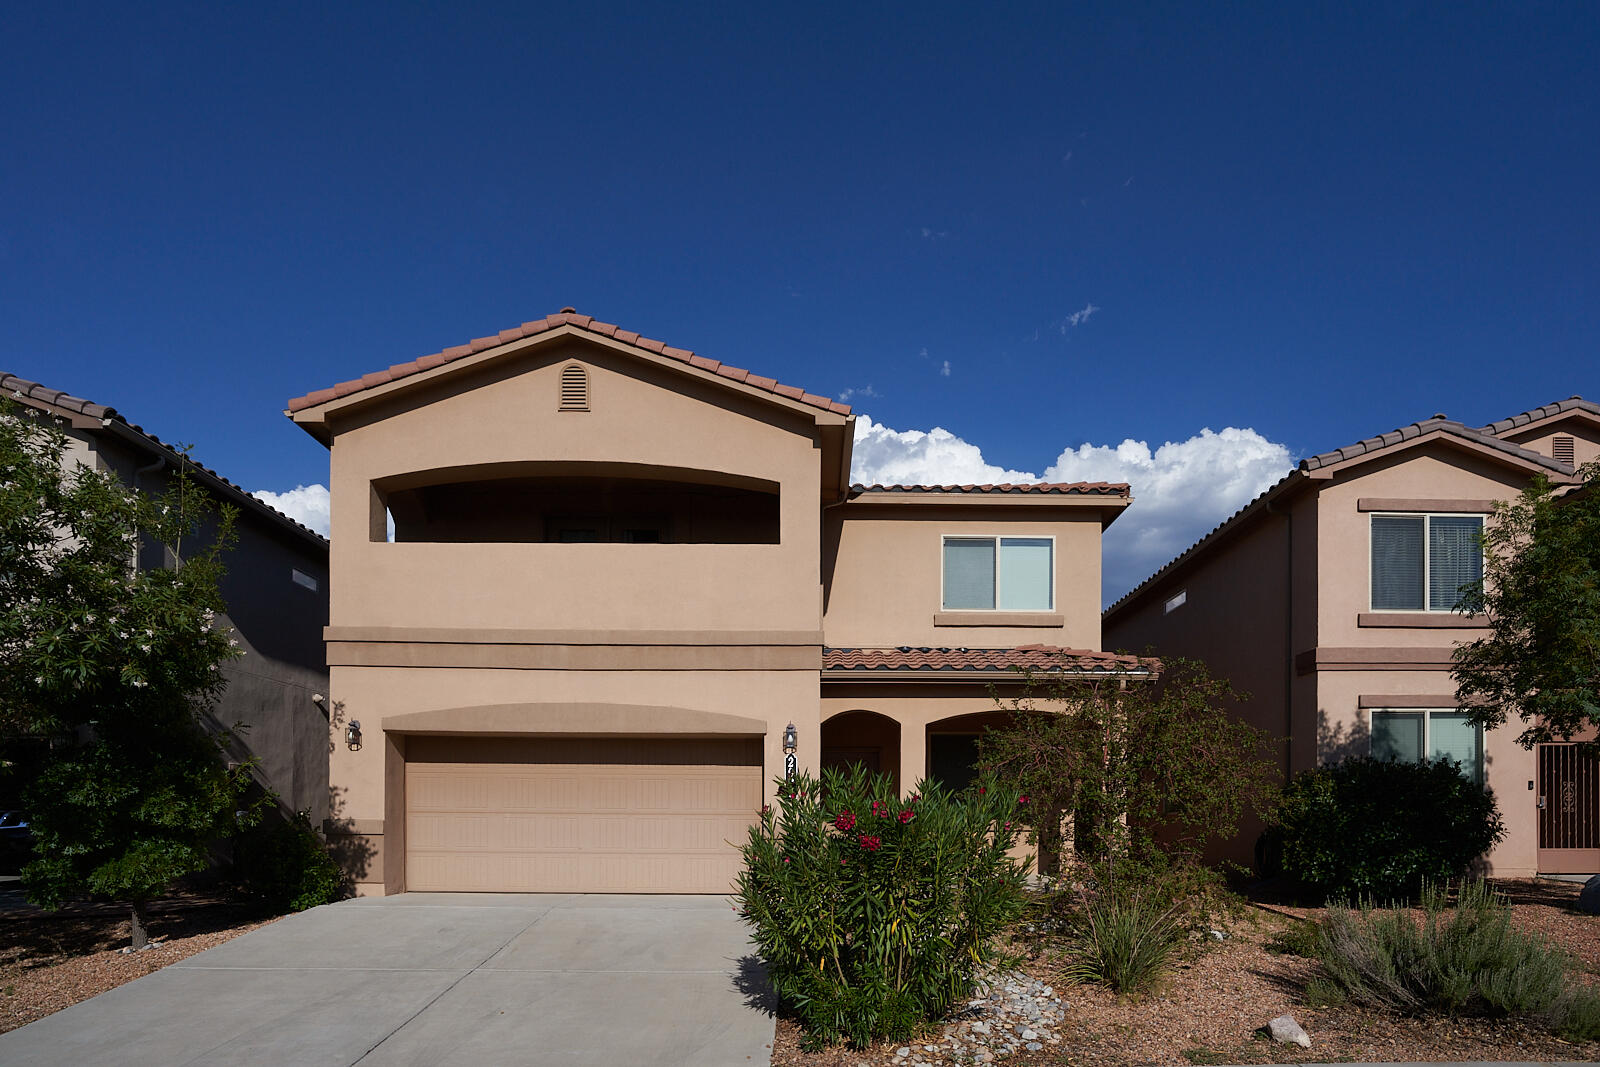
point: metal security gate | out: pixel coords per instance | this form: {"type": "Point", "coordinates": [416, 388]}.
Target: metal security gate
{"type": "Point", "coordinates": [1569, 809]}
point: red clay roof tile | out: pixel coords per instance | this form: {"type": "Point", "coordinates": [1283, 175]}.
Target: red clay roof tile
{"type": "Point", "coordinates": [568, 317]}
{"type": "Point", "coordinates": [1075, 488]}
{"type": "Point", "coordinates": [1041, 658]}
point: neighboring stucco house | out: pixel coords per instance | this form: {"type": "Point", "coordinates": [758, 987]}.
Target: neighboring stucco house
{"type": "Point", "coordinates": [276, 590]}
{"type": "Point", "coordinates": [1329, 599]}
{"type": "Point", "coordinates": [619, 573]}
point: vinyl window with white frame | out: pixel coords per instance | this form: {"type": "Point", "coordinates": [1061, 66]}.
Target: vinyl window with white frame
{"type": "Point", "coordinates": [998, 573]}
{"type": "Point", "coordinates": [1411, 734]}
{"type": "Point", "coordinates": [1420, 562]}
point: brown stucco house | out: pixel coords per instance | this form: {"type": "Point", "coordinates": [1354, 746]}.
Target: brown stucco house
{"type": "Point", "coordinates": [621, 576]}
{"type": "Point", "coordinates": [276, 590]}
{"type": "Point", "coordinates": [1329, 599]}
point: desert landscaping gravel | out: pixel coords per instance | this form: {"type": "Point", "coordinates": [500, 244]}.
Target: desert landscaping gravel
{"type": "Point", "coordinates": [1223, 992]}
{"type": "Point", "coordinates": [50, 962]}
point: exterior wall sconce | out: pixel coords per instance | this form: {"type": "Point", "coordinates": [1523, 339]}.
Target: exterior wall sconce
{"type": "Point", "coordinates": [352, 735]}
{"type": "Point", "coordinates": [791, 766]}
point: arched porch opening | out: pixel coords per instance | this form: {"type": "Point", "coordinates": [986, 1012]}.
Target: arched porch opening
{"type": "Point", "coordinates": [865, 738]}
{"type": "Point", "coordinates": [953, 745]}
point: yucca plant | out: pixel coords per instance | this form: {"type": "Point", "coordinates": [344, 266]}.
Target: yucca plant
{"type": "Point", "coordinates": [871, 912]}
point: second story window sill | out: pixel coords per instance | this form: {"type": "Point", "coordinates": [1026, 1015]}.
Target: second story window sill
{"type": "Point", "coordinates": [1421, 620]}
{"type": "Point", "coordinates": [999, 618]}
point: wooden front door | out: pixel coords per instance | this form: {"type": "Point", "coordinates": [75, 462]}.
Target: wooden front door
{"type": "Point", "coordinates": [1569, 809]}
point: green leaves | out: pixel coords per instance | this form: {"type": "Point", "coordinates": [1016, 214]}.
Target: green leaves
{"type": "Point", "coordinates": [873, 912]}
{"type": "Point", "coordinates": [1541, 592]}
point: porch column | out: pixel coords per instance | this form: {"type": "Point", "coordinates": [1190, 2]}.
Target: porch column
{"type": "Point", "coordinates": [913, 755]}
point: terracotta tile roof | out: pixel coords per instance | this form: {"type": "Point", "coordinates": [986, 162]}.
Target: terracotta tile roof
{"type": "Point", "coordinates": [564, 317]}
{"type": "Point", "coordinates": [1064, 488]}
{"type": "Point", "coordinates": [1438, 423]}
{"type": "Point", "coordinates": [22, 390]}
{"type": "Point", "coordinates": [1572, 403]}
{"type": "Point", "coordinates": [959, 660]}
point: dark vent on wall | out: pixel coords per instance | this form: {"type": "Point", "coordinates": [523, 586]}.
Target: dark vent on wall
{"type": "Point", "coordinates": [574, 388]}
{"type": "Point", "coordinates": [1561, 448]}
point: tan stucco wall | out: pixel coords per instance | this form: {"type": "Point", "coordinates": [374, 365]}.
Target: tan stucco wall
{"type": "Point", "coordinates": [374, 695]}
{"type": "Point", "coordinates": [1344, 581]}
{"type": "Point", "coordinates": [638, 414]}
{"type": "Point", "coordinates": [883, 571]}
{"type": "Point", "coordinates": [1585, 438]}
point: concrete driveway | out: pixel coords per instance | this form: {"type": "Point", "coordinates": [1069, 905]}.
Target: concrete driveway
{"type": "Point", "coordinates": [451, 978]}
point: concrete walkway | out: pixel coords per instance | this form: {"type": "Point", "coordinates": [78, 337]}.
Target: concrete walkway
{"type": "Point", "coordinates": [480, 979]}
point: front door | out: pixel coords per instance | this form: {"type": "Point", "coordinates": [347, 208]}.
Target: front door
{"type": "Point", "coordinates": [1569, 809]}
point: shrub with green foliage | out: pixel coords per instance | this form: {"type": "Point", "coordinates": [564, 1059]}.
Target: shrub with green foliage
{"type": "Point", "coordinates": [873, 913]}
{"type": "Point", "coordinates": [1463, 960]}
{"type": "Point", "coordinates": [287, 867]}
{"type": "Point", "coordinates": [1123, 935]}
{"type": "Point", "coordinates": [1382, 829]}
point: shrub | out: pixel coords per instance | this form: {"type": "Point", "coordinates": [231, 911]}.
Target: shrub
{"type": "Point", "coordinates": [1124, 937]}
{"type": "Point", "coordinates": [1471, 962]}
{"type": "Point", "coordinates": [287, 867]}
{"type": "Point", "coordinates": [873, 913]}
{"type": "Point", "coordinates": [1380, 829]}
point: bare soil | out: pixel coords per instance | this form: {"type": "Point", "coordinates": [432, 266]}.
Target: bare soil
{"type": "Point", "coordinates": [1209, 1009]}
{"type": "Point", "coordinates": [50, 961]}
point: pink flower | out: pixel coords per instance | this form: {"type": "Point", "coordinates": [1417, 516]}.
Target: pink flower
{"type": "Point", "coordinates": [906, 816]}
{"type": "Point", "coordinates": [1022, 799]}
{"type": "Point", "coordinates": [845, 822]}
{"type": "Point", "coordinates": [871, 844]}
{"type": "Point", "coordinates": [786, 859]}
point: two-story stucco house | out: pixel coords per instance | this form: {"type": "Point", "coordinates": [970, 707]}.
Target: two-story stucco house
{"type": "Point", "coordinates": [276, 590]}
{"type": "Point", "coordinates": [1330, 600]}
{"type": "Point", "coordinates": [624, 583]}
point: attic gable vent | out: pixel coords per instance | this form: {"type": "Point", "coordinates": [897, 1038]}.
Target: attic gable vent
{"type": "Point", "coordinates": [1561, 448]}
{"type": "Point", "coordinates": [574, 388]}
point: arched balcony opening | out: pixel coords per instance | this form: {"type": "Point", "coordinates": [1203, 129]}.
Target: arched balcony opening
{"type": "Point", "coordinates": [577, 502]}
{"type": "Point", "coordinates": [863, 738]}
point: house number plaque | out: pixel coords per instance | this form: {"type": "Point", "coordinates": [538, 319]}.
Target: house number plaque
{"type": "Point", "coordinates": [790, 766]}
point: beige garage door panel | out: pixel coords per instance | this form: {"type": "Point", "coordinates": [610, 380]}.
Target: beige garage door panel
{"type": "Point", "coordinates": [578, 815]}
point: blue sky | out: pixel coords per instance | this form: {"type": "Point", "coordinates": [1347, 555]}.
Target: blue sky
{"type": "Point", "coordinates": [1037, 228]}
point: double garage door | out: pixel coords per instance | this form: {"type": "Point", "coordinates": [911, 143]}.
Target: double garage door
{"type": "Point", "coordinates": [578, 815]}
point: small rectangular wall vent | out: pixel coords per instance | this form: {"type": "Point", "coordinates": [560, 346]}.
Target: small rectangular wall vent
{"type": "Point", "coordinates": [1176, 601]}
{"type": "Point", "coordinates": [301, 578]}
{"type": "Point", "coordinates": [1561, 448]}
{"type": "Point", "coordinates": [574, 388]}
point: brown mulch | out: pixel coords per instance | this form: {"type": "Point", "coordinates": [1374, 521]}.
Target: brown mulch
{"type": "Point", "coordinates": [1210, 1007]}
{"type": "Point", "coordinates": [52, 961]}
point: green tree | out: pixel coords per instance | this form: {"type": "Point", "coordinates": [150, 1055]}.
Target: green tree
{"type": "Point", "coordinates": [1541, 592]}
{"type": "Point", "coordinates": [1146, 769]}
{"type": "Point", "coordinates": [114, 665]}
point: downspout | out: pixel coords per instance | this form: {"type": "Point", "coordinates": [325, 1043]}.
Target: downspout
{"type": "Point", "coordinates": [138, 473]}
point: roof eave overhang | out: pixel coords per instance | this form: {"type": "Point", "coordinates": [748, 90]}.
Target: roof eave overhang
{"type": "Point", "coordinates": [1109, 505]}
{"type": "Point", "coordinates": [919, 675]}
{"type": "Point", "coordinates": [315, 419]}
{"type": "Point", "coordinates": [1546, 422]}
{"type": "Point", "coordinates": [1508, 459]}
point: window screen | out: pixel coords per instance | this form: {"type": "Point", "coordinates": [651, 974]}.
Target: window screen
{"type": "Point", "coordinates": [1397, 563]}
{"type": "Point", "coordinates": [1025, 574]}
{"type": "Point", "coordinates": [1455, 558]}
{"type": "Point", "coordinates": [969, 574]}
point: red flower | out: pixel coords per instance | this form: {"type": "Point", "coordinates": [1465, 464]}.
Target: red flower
{"type": "Point", "coordinates": [981, 790]}
{"type": "Point", "coordinates": [1022, 799]}
{"type": "Point", "coordinates": [786, 859]}
{"type": "Point", "coordinates": [871, 844]}
{"type": "Point", "coordinates": [906, 816]}
{"type": "Point", "coordinates": [846, 821]}
{"type": "Point", "coordinates": [766, 809]}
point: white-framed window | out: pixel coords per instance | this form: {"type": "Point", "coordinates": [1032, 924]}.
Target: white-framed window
{"type": "Point", "coordinates": [1416, 733]}
{"type": "Point", "coordinates": [999, 573]}
{"type": "Point", "coordinates": [1420, 562]}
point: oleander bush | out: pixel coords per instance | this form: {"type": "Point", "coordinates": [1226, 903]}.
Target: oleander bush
{"type": "Point", "coordinates": [874, 913]}
{"type": "Point", "coordinates": [1461, 960]}
{"type": "Point", "coordinates": [1381, 829]}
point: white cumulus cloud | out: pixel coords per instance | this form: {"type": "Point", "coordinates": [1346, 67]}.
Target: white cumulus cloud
{"type": "Point", "coordinates": [1181, 489]}
{"type": "Point", "coordinates": [915, 457]}
{"type": "Point", "coordinates": [306, 504]}
{"type": "Point", "coordinates": [1078, 318]}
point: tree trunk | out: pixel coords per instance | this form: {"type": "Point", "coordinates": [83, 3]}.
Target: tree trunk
{"type": "Point", "coordinates": [141, 936]}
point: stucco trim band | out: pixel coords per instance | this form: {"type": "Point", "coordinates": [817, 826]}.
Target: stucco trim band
{"type": "Point", "coordinates": [1383, 503]}
{"type": "Point", "coordinates": [637, 720]}
{"type": "Point", "coordinates": [1422, 620]}
{"type": "Point", "coordinates": [998, 618]}
{"type": "Point", "coordinates": [1407, 700]}
{"type": "Point", "coordinates": [1372, 659]}
{"type": "Point", "coordinates": [577, 657]}
{"type": "Point", "coordinates": [474, 636]}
